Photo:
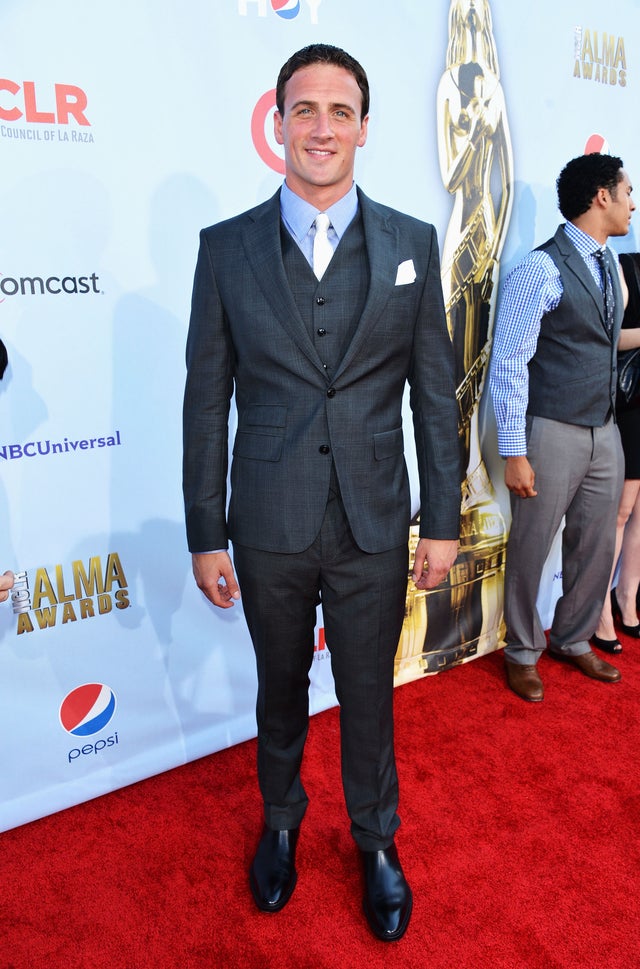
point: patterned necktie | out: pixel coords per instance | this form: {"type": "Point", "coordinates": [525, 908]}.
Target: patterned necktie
{"type": "Point", "coordinates": [607, 286]}
{"type": "Point", "coordinates": [322, 248]}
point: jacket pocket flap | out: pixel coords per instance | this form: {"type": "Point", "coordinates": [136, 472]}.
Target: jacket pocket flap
{"type": "Point", "coordinates": [260, 447]}
{"type": "Point", "coordinates": [388, 444]}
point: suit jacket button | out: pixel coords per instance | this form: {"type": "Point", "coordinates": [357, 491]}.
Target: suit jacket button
{"type": "Point", "coordinates": [320, 300]}
{"type": "Point", "coordinates": [331, 392]}
{"type": "Point", "coordinates": [324, 449]}
{"type": "Point", "coordinates": [321, 331]}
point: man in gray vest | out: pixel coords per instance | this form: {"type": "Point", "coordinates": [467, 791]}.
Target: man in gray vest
{"type": "Point", "coordinates": [316, 308]}
{"type": "Point", "coordinates": [553, 384]}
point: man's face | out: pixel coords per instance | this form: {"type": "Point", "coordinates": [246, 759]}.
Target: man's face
{"type": "Point", "coordinates": [320, 129]}
{"type": "Point", "coordinates": [621, 205]}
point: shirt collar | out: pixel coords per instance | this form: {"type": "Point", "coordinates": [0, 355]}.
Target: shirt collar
{"type": "Point", "coordinates": [298, 215]}
{"type": "Point", "coordinates": [585, 244]}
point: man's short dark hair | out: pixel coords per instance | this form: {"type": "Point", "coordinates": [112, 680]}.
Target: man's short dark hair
{"type": "Point", "coordinates": [322, 54]}
{"type": "Point", "coordinates": [580, 180]}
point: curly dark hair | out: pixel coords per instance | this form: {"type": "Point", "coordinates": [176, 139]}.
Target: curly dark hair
{"type": "Point", "coordinates": [322, 54]}
{"type": "Point", "coordinates": [581, 178]}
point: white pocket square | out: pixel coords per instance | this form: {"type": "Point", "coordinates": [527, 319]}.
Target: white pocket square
{"type": "Point", "coordinates": [406, 273]}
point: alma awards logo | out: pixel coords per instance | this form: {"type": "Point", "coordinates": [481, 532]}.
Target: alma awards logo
{"type": "Point", "coordinates": [58, 595]}
{"type": "Point", "coordinates": [463, 616]}
{"type": "Point", "coordinates": [599, 57]}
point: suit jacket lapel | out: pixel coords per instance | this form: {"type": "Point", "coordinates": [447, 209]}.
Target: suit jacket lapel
{"type": "Point", "coordinates": [264, 253]}
{"type": "Point", "coordinates": [382, 250]}
{"type": "Point", "coordinates": [263, 248]}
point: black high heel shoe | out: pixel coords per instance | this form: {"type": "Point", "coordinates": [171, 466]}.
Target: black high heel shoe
{"type": "Point", "coordinates": [606, 645]}
{"type": "Point", "coordinates": [633, 631]}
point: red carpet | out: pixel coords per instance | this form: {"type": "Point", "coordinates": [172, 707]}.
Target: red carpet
{"type": "Point", "coordinates": [519, 838]}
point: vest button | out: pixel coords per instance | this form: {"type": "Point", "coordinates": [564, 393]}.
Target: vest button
{"type": "Point", "coordinates": [320, 300]}
{"type": "Point", "coordinates": [324, 449]}
{"type": "Point", "coordinates": [331, 392]}
{"type": "Point", "coordinates": [321, 331]}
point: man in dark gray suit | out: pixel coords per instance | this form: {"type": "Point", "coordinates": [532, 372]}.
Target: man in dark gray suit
{"type": "Point", "coordinates": [320, 507]}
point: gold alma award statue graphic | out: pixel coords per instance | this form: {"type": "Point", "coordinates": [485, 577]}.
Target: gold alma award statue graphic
{"type": "Point", "coordinates": [463, 616]}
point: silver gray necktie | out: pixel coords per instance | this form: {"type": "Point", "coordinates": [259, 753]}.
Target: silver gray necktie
{"type": "Point", "coordinates": [322, 248]}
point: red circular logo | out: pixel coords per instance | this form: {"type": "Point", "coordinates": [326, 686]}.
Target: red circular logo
{"type": "Point", "coordinates": [262, 112]}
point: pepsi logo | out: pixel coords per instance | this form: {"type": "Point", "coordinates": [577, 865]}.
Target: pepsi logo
{"type": "Point", "coordinates": [597, 145]}
{"type": "Point", "coordinates": [87, 709]}
{"type": "Point", "coordinates": [287, 9]}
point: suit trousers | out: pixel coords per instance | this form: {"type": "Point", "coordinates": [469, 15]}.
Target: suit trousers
{"type": "Point", "coordinates": [579, 474]}
{"type": "Point", "coordinates": [363, 597]}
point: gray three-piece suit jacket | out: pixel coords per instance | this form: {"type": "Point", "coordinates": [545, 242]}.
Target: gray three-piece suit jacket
{"type": "Point", "coordinates": [294, 419]}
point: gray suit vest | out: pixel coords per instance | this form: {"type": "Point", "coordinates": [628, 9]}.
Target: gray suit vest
{"type": "Point", "coordinates": [331, 308]}
{"type": "Point", "coordinates": [572, 375]}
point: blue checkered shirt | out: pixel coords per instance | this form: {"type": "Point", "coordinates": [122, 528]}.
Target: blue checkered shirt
{"type": "Point", "coordinates": [532, 289]}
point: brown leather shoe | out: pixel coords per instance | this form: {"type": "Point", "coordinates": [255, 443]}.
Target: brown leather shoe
{"type": "Point", "coordinates": [591, 665]}
{"type": "Point", "coordinates": [524, 680]}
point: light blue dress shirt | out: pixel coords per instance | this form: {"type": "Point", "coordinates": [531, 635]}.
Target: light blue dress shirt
{"type": "Point", "coordinates": [299, 217]}
{"type": "Point", "coordinates": [532, 289]}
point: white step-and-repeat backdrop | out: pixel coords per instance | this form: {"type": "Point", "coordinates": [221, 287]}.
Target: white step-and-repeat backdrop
{"type": "Point", "coordinates": [124, 130]}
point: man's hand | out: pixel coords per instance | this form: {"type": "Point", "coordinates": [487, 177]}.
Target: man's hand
{"type": "Point", "coordinates": [6, 583]}
{"type": "Point", "coordinates": [215, 577]}
{"type": "Point", "coordinates": [520, 477]}
{"type": "Point", "coordinates": [434, 558]}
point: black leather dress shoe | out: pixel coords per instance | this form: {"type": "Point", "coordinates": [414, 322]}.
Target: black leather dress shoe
{"type": "Point", "coordinates": [273, 876]}
{"type": "Point", "coordinates": [591, 665]}
{"type": "Point", "coordinates": [387, 899]}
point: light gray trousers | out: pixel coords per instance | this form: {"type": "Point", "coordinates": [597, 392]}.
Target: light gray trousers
{"type": "Point", "coordinates": [579, 475]}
